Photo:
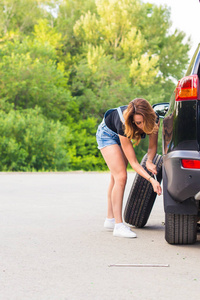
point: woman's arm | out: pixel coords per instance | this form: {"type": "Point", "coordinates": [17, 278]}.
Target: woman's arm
{"type": "Point", "coordinates": [127, 147]}
{"type": "Point", "coordinates": [153, 142]}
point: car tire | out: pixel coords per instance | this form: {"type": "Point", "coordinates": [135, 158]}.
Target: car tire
{"type": "Point", "coordinates": [142, 197]}
{"type": "Point", "coordinates": [180, 229]}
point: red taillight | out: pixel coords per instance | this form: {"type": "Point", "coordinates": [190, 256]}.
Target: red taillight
{"type": "Point", "coordinates": [187, 88]}
{"type": "Point", "coordinates": [190, 163]}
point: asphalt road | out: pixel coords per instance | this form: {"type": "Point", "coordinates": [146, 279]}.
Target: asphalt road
{"type": "Point", "coordinates": [54, 246]}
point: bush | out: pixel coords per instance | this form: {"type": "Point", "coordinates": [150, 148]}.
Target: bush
{"type": "Point", "coordinates": [30, 142]}
{"type": "Point", "coordinates": [83, 147]}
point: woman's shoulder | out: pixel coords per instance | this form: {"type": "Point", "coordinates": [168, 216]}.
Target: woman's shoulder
{"type": "Point", "coordinates": [123, 107]}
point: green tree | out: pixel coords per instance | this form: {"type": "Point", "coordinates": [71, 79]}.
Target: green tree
{"type": "Point", "coordinates": [68, 13]}
{"type": "Point", "coordinates": [31, 76]}
{"type": "Point", "coordinates": [101, 86]}
{"type": "Point", "coordinates": [27, 83]}
{"type": "Point", "coordinates": [138, 34]}
{"type": "Point", "coordinates": [21, 15]}
{"type": "Point", "coordinates": [30, 142]}
{"type": "Point", "coordinates": [74, 60]}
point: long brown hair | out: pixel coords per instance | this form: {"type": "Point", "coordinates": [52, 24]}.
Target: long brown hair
{"type": "Point", "coordinates": [141, 107]}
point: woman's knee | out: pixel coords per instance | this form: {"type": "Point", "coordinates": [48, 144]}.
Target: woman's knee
{"type": "Point", "coordinates": [121, 178]}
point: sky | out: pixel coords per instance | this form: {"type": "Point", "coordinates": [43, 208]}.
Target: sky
{"type": "Point", "coordinates": [185, 16]}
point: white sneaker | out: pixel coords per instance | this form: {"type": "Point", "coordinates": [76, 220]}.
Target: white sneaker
{"type": "Point", "coordinates": [124, 231]}
{"type": "Point", "coordinates": [108, 224]}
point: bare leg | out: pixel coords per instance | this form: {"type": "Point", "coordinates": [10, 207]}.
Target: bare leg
{"type": "Point", "coordinates": [117, 164]}
{"type": "Point", "coordinates": [110, 214]}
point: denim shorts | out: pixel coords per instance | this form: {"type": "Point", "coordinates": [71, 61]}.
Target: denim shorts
{"type": "Point", "coordinates": [106, 137]}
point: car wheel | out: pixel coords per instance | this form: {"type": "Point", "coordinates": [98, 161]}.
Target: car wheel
{"type": "Point", "coordinates": [142, 197]}
{"type": "Point", "coordinates": [180, 229]}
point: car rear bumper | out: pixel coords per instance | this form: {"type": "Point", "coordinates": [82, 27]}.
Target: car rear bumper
{"type": "Point", "coordinates": [181, 183]}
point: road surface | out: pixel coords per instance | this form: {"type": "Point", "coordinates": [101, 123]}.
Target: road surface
{"type": "Point", "coordinates": [54, 246]}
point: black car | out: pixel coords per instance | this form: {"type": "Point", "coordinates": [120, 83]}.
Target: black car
{"type": "Point", "coordinates": [181, 157]}
{"type": "Point", "coordinates": [179, 166]}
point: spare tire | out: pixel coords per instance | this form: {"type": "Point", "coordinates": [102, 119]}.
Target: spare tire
{"type": "Point", "coordinates": [142, 197]}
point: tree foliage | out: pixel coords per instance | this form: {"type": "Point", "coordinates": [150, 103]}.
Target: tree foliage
{"type": "Point", "coordinates": [29, 142]}
{"type": "Point", "coordinates": [63, 63]}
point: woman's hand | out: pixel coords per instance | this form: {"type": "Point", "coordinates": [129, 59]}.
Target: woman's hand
{"type": "Point", "coordinates": [156, 186]}
{"type": "Point", "coordinates": [151, 167]}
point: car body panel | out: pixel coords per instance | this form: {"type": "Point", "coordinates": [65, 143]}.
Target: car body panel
{"type": "Point", "coordinates": [180, 128]}
{"type": "Point", "coordinates": [187, 207]}
{"type": "Point", "coordinates": [182, 183]}
{"type": "Point", "coordinates": [181, 140]}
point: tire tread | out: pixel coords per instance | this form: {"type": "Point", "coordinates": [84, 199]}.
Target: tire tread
{"type": "Point", "coordinates": [180, 229]}
{"type": "Point", "coordinates": [142, 197]}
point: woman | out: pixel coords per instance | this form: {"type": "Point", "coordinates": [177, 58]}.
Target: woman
{"type": "Point", "coordinates": [114, 135]}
